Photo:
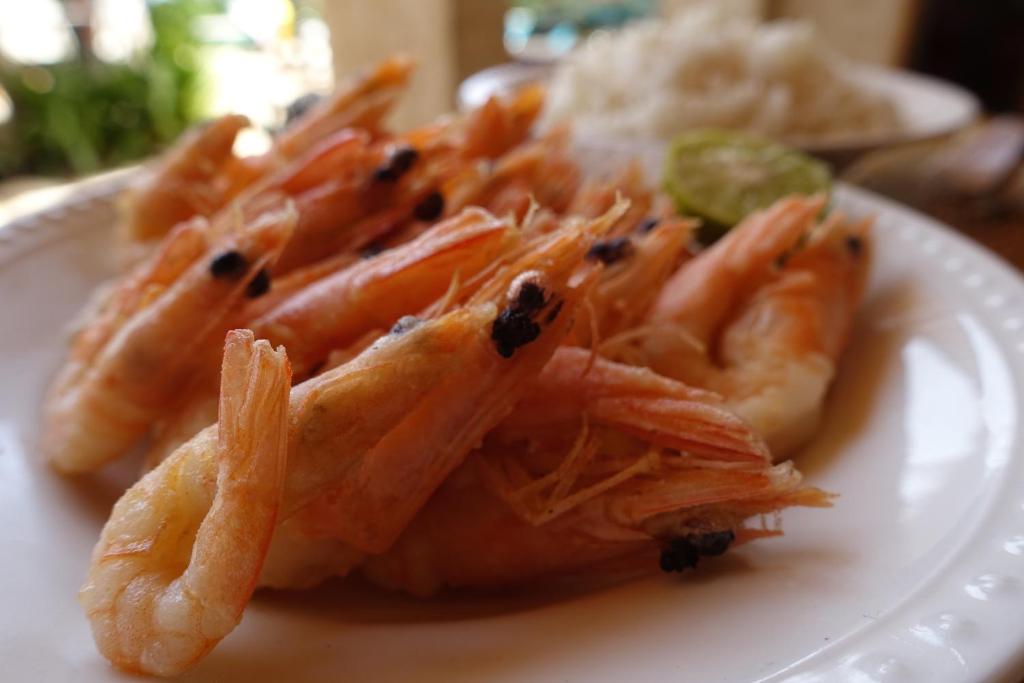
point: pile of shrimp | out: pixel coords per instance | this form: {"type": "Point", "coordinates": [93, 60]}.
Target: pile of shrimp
{"type": "Point", "coordinates": [439, 358]}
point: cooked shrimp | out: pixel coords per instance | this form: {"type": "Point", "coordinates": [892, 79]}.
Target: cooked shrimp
{"type": "Point", "coordinates": [707, 289]}
{"type": "Point", "coordinates": [95, 413]}
{"type": "Point", "coordinates": [501, 123]}
{"type": "Point", "coordinates": [667, 513]}
{"type": "Point", "coordinates": [361, 102]}
{"type": "Point", "coordinates": [294, 282]}
{"type": "Point", "coordinates": [178, 559]}
{"type": "Point", "coordinates": [376, 292]}
{"type": "Point", "coordinates": [362, 506]}
{"type": "Point", "coordinates": [646, 476]}
{"type": "Point", "coordinates": [637, 265]}
{"type": "Point", "coordinates": [353, 191]}
{"type": "Point", "coordinates": [198, 406]}
{"type": "Point", "coordinates": [184, 183]}
{"type": "Point", "coordinates": [200, 175]}
{"type": "Point", "coordinates": [615, 398]}
{"type": "Point", "coordinates": [457, 160]}
{"type": "Point", "coordinates": [332, 190]}
{"type": "Point", "coordinates": [123, 298]}
{"type": "Point", "coordinates": [597, 195]}
{"type": "Point", "coordinates": [634, 400]}
{"type": "Point", "coordinates": [371, 440]}
{"type": "Point", "coordinates": [538, 171]}
{"type": "Point", "coordinates": [771, 339]}
{"type": "Point", "coordinates": [339, 308]}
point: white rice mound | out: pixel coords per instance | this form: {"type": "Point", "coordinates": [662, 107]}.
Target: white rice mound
{"type": "Point", "coordinates": [656, 78]}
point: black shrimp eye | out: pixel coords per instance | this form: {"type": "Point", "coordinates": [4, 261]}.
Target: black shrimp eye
{"type": "Point", "coordinates": [610, 251]}
{"type": "Point", "coordinates": [679, 555]}
{"type": "Point", "coordinates": [553, 313]}
{"type": "Point", "coordinates": [259, 285]}
{"type": "Point", "coordinates": [430, 207]}
{"type": "Point", "coordinates": [385, 174]}
{"type": "Point", "coordinates": [403, 159]}
{"type": "Point", "coordinates": [647, 224]}
{"type": "Point", "coordinates": [854, 245]}
{"type": "Point", "coordinates": [231, 265]}
{"type": "Point", "coordinates": [714, 543]}
{"type": "Point", "coordinates": [684, 552]}
{"type": "Point", "coordinates": [530, 297]}
{"type": "Point", "coordinates": [396, 166]}
{"type": "Point", "coordinates": [511, 329]}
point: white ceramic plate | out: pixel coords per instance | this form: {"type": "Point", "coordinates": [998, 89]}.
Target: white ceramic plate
{"type": "Point", "coordinates": [917, 574]}
{"type": "Point", "coordinates": [929, 107]}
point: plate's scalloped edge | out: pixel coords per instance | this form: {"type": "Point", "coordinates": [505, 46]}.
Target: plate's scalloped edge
{"type": "Point", "coordinates": [90, 198]}
{"type": "Point", "coordinates": [967, 625]}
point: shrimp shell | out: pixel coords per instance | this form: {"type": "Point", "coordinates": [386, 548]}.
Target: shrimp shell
{"type": "Point", "coordinates": [178, 559]}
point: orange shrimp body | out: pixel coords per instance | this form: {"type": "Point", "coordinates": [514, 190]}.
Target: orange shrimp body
{"type": "Point", "coordinates": [185, 183]}
{"type": "Point", "coordinates": [343, 302]}
{"type": "Point", "coordinates": [763, 316]}
{"type": "Point", "coordinates": [479, 359]}
{"type": "Point", "coordinates": [656, 465]}
{"type": "Point", "coordinates": [178, 559]}
{"type": "Point", "coordinates": [374, 293]}
{"type": "Point", "coordinates": [94, 414]}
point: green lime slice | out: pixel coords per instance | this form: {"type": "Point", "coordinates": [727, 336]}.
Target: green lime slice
{"type": "Point", "coordinates": [721, 175]}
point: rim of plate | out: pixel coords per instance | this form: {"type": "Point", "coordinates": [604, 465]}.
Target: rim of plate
{"type": "Point", "coordinates": [969, 608]}
{"type": "Point", "coordinates": [39, 228]}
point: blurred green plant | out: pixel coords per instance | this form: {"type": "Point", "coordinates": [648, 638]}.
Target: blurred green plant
{"type": "Point", "coordinates": [585, 14]}
{"type": "Point", "coordinates": [85, 115]}
{"type": "Point", "coordinates": [548, 29]}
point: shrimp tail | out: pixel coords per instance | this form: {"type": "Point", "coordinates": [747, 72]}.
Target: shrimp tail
{"type": "Point", "coordinates": [158, 600]}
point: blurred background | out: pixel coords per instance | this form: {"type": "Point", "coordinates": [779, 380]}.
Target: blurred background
{"type": "Point", "coordinates": [90, 85]}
